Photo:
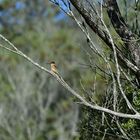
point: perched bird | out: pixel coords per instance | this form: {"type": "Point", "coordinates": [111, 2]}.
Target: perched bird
{"type": "Point", "coordinates": [54, 67]}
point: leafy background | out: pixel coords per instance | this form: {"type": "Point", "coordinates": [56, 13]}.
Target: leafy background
{"type": "Point", "coordinates": [33, 105]}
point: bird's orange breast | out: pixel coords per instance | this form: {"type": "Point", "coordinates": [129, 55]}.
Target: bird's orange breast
{"type": "Point", "coordinates": [53, 68]}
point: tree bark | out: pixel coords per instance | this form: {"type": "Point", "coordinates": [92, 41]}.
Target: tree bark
{"type": "Point", "coordinates": [124, 32]}
{"type": "Point", "coordinates": [121, 28]}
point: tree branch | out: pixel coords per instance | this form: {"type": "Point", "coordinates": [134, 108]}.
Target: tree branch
{"type": "Point", "coordinates": [122, 29]}
{"type": "Point", "coordinates": [65, 85]}
{"type": "Point", "coordinates": [86, 14]}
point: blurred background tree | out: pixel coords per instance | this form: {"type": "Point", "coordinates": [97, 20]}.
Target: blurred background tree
{"type": "Point", "coordinates": [33, 105]}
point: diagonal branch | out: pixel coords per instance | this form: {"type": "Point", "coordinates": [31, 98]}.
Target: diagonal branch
{"type": "Point", "coordinates": [123, 31]}
{"type": "Point", "coordinates": [65, 85]}
{"type": "Point", "coordinates": [85, 12]}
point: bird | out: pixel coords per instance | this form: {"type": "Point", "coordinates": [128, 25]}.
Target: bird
{"type": "Point", "coordinates": [53, 67]}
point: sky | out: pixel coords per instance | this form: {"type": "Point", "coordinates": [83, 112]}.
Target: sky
{"type": "Point", "coordinates": [7, 15]}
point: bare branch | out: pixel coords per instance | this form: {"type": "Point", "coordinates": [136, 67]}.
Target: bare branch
{"type": "Point", "coordinates": [85, 12]}
{"type": "Point", "coordinates": [122, 29]}
{"type": "Point", "coordinates": [65, 85]}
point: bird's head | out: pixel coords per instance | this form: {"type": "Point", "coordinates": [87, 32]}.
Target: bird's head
{"type": "Point", "coordinates": [51, 62]}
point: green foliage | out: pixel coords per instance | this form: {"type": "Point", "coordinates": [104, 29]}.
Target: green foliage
{"type": "Point", "coordinates": [35, 106]}
{"type": "Point", "coordinates": [130, 124]}
{"type": "Point", "coordinates": [136, 99]}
